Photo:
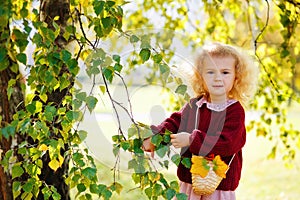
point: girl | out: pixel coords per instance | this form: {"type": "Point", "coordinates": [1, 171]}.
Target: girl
{"type": "Point", "coordinates": [213, 123]}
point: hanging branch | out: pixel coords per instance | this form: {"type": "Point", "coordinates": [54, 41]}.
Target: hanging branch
{"type": "Point", "coordinates": [255, 48]}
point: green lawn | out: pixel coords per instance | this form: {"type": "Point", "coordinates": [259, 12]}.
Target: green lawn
{"type": "Point", "coordinates": [262, 179]}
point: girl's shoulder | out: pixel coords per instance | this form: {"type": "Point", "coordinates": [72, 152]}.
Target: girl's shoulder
{"type": "Point", "coordinates": [235, 107]}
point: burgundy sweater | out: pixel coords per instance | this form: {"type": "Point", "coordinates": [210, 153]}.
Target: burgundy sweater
{"type": "Point", "coordinates": [219, 132]}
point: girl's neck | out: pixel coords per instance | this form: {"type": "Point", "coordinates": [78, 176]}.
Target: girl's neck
{"type": "Point", "coordinates": [220, 100]}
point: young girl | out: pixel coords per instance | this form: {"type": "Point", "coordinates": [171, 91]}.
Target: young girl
{"type": "Point", "coordinates": [213, 123]}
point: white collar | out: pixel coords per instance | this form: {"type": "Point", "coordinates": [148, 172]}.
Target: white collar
{"type": "Point", "coordinates": [214, 106]}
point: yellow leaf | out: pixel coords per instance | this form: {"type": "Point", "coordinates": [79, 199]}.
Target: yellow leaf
{"type": "Point", "coordinates": [29, 97]}
{"type": "Point", "coordinates": [54, 164]}
{"type": "Point", "coordinates": [199, 166]}
{"type": "Point", "coordinates": [43, 147]}
{"type": "Point", "coordinates": [38, 106]}
{"type": "Point", "coordinates": [102, 88]}
{"type": "Point", "coordinates": [61, 160]}
{"type": "Point", "coordinates": [220, 167]}
{"type": "Point", "coordinates": [56, 18]}
{"type": "Point", "coordinates": [43, 97]}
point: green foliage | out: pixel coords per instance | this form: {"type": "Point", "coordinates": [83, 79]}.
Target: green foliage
{"type": "Point", "coordinates": [145, 173]}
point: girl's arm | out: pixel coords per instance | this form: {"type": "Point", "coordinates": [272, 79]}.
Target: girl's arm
{"type": "Point", "coordinates": [226, 142]}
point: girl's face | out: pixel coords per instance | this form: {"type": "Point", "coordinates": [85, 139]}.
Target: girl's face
{"type": "Point", "coordinates": [218, 74]}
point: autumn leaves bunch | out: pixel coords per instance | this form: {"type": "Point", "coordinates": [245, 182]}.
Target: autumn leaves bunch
{"type": "Point", "coordinates": [201, 166]}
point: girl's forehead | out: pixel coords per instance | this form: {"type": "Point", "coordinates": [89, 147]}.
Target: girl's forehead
{"type": "Point", "coordinates": [219, 61]}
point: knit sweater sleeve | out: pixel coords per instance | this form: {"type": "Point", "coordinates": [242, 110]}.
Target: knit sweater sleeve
{"type": "Point", "coordinates": [226, 142]}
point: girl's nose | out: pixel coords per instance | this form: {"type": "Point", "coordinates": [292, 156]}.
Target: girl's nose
{"type": "Point", "coordinates": [218, 76]}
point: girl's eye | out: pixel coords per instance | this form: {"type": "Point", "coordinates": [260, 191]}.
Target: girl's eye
{"type": "Point", "coordinates": [225, 72]}
{"type": "Point", "coordinates": [210, 72]}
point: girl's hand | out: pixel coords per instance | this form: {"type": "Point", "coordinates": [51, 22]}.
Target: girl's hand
{"type": "Point", "coordinates": [180, 140]}
{"type": "Point", "coordinates": [148, 146]}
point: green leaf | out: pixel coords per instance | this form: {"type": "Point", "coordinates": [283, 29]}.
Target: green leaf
{"type": "Point", "coordinates": [81, 96]}
{"type": "Point", "coordinates": [16, 189]}
{"type": "Point", "coordinates": [77, 156]}
{"type": "Point", "coordinates": [27, 187]}
{"type": "Point", "coordinates": [27, 196]}
{"type": "Point", "coordinates": [146, 133]}
{"type": "Point", "coordinates": [98, 7]}
{"type": "Point", "coordinates": [77, 104]}
{"type": "Point", "coordinates": [81, 187]}
{"type": "Point", "coordinates": [145, 54]}
{"type": "Point", "coordinates": [187, 162]}
{"type": "Point", "coordinates": [176, 159]}
{"type": "Point", "coordinates": [157, 190]}
{"type": "Point", "coordinates": [98, 29]}
{"type": "Point", "coordinates": [136, 177]}
{"type": "Point", "coordinates": [48, 77]}
{"type": "Point", "coordinates": [134, 39]}
{"type": "Point", "coordinates": [82, 134]}
{"type": "Point", "coordinates": [65, 55]}
{"type": "Point", "coordinates": [118, 67]}
{"type": "Point", "coordinates": [116, 58]}
{"type": "Point", "coordinates": [157, 58]}
{"type": "Point", "coordinates": [148, 192]}
{"type": "Point", "coordinates": [131, 132]}
{"type": "Point", "coordinates": [110, 3]}
{"type": "Point", "coordinates": [3, 54]}
{"type": "Point", "coordinates": [30, 108]}
{"type": "Point", "coordinates": [106, 194]}
{"type": "Point", "coordinates": [17, 171]}
{"type": "Point", "coordinates": [116, 150]}
{"type": "Point", "coordinates": [102, 187]}
{"type": "Point", "coordinates": [116, 187]}
{"type": "Point", "coordinates": [56, 196]}
{"type": "Point", "coordinates": [73, 66]}
{"type": "Point", "coordinates": [116, 138]}
{"type": "Point", "coordinates": [89, 172]}
{"type": "Point", "coordinates": [156, 139]}
{"type": "Point", "coordinates": [24, 12]}
{"type": "Point", "coordinates": [50, 112]}
{"type": "Point", "coordinates": [8, 131]}
{"type": "Point", "coordinates": [73, 115]}
{"type": "Point", "coordinates": [125, 145]}
{"type": "Point", "coordinates": [174, 185]}
{"type": "Point", "coordinates": [284, 53]}
{"type": "Point", "coordinates": [132, 164]}
{"type": "Point", "coordinates": [161, 152]}
{"type": "Point", "coordinates": [16, 185]}
{"type": "Point", "coordinates": [21, 57]}
{"type": "Point", "coordinates": [163, 68]}
{"type": "Point", "coordinates": [166, 138]}
{"type": "Point", "coordinates": [46, 192]}
{"type": "Point", "coordinates": [170, 193]}
{"type": "Point", "coordinates": [181, 196]}
{"type": "Point", "coordinates": [137, 143]}
{"type": "Point", "coordinates": [91, 102]}
{"type": "Point", "coordinates": [108, 73]}
{"type": "Point", "coordinates": [106, 22]}
{"type": "Point", "coordinates": [181, 89]}
{"type": "Point", "coordinates": [37, 38]}
{"type": "Point", "coordinates": [94, 188]}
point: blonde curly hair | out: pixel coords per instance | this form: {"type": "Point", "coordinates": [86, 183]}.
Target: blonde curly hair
{"type": "Point", "coordinates": [246, 72]}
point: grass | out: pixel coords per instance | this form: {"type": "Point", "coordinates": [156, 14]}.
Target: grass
{"type": "Point", "coordinates": [262, 178]}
